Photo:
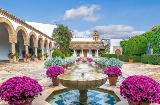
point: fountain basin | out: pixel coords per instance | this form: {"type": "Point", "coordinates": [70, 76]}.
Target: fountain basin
{"type": "Point", "coordinates": [71, 97]}
{"type": "Point", "coordinates": [83, 82]}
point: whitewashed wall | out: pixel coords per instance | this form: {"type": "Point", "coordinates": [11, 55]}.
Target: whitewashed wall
{"type": "Point", "coordinates": [5, 46]}
{"type": "Point", "coordinates": [114, 42]}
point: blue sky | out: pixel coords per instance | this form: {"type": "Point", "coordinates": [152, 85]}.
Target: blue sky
{"type": "Point", "coordinates": [111, 18]}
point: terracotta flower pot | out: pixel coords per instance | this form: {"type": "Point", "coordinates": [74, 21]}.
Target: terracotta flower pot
{"type": "Point", "coordinates": [25, 103]}
{"type": "Point", "coordinates": [113, 80]}
{"type": "Point", "coordinates": [130, 60]}
{"type": "Point", "coordinates": [137, 103]}
{"type": "Point", "coordinates": [55, 81]}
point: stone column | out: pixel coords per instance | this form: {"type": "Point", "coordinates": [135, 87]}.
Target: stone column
{"type": "Point", "coordinates": [74, 54]}
{"type": "Point", "coordinates": [42, 53]}
{"type": "Point", "coordinates": [35, 50]}
{"type": "Point", "coordinates": [26, 49]}
{"type": "Point", "coordinates": [82, 53]}
{"type": "Point", "coordinates": [89, 52]}
{"type": "Point", "coordinates": [13, 48]}
{"type": "Point", "coordinates": [97, 53]}
{"type": "Point", "coordinates": [50, 53]}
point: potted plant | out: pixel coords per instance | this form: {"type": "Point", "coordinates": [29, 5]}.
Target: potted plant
{"type": "Point", "coordinates": [11, 56]}
{"type": "Point", "coordinates": [53, 72]}
{"type": "Point", "coordinates": [46, 56]}
{"type": "Point", "coordinates": [113, 72]}
{"type": "Point", "coordinates": [27, 57]}
{"type": "Point", "coordinates": [20, 90]}
{"type": "Point", "coordinates": [78, 60]}
{"type": "Point", "coordinates": [140, 90]}
{"type": "Point", "coordinates": [35, 58]}
{"type": "Point", "coordinates": [17, 55]}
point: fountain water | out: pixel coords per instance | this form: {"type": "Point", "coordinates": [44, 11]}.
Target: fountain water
{"type": "Point", "coordinates": [82, 79]}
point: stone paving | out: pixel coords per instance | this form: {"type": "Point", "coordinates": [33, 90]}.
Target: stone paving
{"type": "Point", "coordinates": [37, 71]}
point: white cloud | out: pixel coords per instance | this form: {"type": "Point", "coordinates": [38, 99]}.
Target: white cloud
{"type": "Point", "coordinates": [85, 13]}
{"type": "Point", "coordinates": [110, 31]}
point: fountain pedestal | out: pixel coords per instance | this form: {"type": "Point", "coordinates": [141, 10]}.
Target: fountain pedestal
{"type": "Point", "coordinates": [82, 81]}
{"type": "Point", "coordinates": [83, 95]}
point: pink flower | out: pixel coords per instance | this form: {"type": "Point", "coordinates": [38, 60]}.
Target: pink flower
{"type": "Point", "coordinates": [113, 71]}
{"type": "Point", "coordinates": [54, 71]}
{"type": "Point", "coordinates": [140, 88]}
{"type": "Point", "coordinates": [17, 89]}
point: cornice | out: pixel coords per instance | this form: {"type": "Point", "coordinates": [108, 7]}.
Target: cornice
{"type": "Point", "coordinates": [22, 22]}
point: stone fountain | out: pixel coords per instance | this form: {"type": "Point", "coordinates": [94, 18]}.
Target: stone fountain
{"type": "Point", "coordinates": [83, 79]}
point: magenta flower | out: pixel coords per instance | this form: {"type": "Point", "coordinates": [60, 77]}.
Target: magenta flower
{"type": "Point", "coordinates": [89, 59]}
{"type": "Point", "coordinates": [17, 89]}
{"type": "Point", "coordinates": [54, 71]}
{"type": "Point", "coordinates": [141, 89]}
{"type": "Point", "coordinates": [113, 71]}
{"type": "Point", "coordinates": [78, 59]}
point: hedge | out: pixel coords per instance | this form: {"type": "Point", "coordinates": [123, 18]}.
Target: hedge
{"type": "Point", "coordinates": [126, 58]}
{"type": "Point", "coordinates": [151, 59]}
{"type": "Point", "coordinates": [109, 55]}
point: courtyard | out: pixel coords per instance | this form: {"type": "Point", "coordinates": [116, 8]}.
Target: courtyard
{"type": "Point", "coordinates": [37, 71]}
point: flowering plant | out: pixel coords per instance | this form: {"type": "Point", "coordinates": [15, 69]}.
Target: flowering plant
{"type": "Point", "coordinates": [54, 71]}
{"type": "Point", "coordinates": [113, 71]}
{"type": "Point", "coordinates": [78, 59]}
{"type": "Point", "coordinates": [89, 59]}
{"type": "Point", "coordinates": [17, 89]}
{"type": "Point", "coordinates": [10, 55]}
{"type": "Point", "coordinates": [141, 89]}
{"type": "Point", "coordinates": [17, 55]}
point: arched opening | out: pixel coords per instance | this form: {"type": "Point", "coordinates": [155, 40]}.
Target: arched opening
{"type": "Point", "coordinates": [5, 45]}
{"type": "Point", "coordinates": [21, 41]}
{"type": "Point", "coordinates": [32, 41]}
{"type": "Point", "coordinates": [118, 52]}
{"type": "Point", "coordinates": [39, 50]}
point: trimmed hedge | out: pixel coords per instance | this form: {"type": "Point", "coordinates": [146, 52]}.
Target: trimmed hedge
{"type": "Point", "coordinates": [109, 55]}
{"type": "Point", "coordinates": [151, 59]}
{"type": "Point", "coordinates": [126, 58]}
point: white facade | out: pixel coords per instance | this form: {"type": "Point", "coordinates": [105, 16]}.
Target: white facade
{"type": "Point", "coordinates": [115, 43]}
{"type": "Point", "coordinates": [16, 35]}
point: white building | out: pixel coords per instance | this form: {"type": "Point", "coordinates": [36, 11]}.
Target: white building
{"type": "Point", "coordinates": [22, 37]}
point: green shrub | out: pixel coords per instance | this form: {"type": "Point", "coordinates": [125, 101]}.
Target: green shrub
{"type": "Point", "coordinates": [109, 55]}
{"type": "Point", "coordinates": [126, 58]}
{"type": "Point", "coordinates": [151, 59]}
{"type": "Point", "coordinates": [123, 58]}
{"type": "Point", "coordinates": [57, 53]}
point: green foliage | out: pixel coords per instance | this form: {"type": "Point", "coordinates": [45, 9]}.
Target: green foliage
{"type": "Point", "coordinates": [123, 58]}
{"type": "Point", "coordinates": [126, 58]}
{"type": "Point", "coordinates": [62, 37]}
{"type": "Point", "coordinates": [123, 45]}
{"type": "Point", "coordinates": [109, 55]}
{"type": "Point", "coordinates": [151, 59]}
{"type": "Point", "coordinates": [136, 45]}
{"type": "Point", "coordinates": [57, 53]}
{"type": "Point", "coordinates": [46, 55]}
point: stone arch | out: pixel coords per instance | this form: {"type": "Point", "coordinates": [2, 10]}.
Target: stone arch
{"type": "Point", "coordinates": [34, 38]}
{"type": "Point", "coordinates": [46, 41]}
{"type": "Point", "coordinates": [24, 33]}
{"type": "Point", "coordinates": [50, 45]}
{"type": "Point", "coordinates": [10, 28]}
{"type": "Point", "coordinates": [41, 41]}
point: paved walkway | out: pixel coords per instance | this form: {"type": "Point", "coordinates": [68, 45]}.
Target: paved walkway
{"type": "Point", "coordinates": [36, 70]}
